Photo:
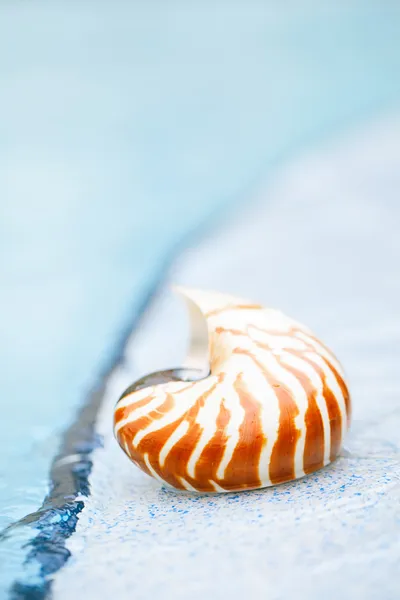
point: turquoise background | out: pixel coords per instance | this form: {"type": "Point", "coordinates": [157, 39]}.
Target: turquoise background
{"type": "Point", "coordinates": [125, 127]}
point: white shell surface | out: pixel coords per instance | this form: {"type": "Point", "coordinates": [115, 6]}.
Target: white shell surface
{"type": "Point", "coordinates": [274, 407]}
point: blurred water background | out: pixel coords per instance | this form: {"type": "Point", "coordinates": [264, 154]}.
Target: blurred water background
{"type": "Point", "coordinates": [125, 129]}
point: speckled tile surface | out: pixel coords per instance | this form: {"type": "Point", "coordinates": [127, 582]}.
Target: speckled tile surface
{"type": "Point", "coordinates": [322, 244]}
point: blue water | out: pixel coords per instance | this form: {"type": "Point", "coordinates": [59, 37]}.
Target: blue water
{"type": "Point", "coordinates": [124, 127]}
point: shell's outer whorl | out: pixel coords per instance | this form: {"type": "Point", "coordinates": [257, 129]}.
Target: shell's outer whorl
{"type": "Point", "coordinates": [274, 408]}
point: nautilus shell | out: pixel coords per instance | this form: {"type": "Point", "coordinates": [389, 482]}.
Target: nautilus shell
{"type": "Point", "coordinates": [272, 406]}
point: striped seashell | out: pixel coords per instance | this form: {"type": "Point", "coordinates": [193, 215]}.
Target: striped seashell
{"type": "Point", "coordinates": [273, 407]}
